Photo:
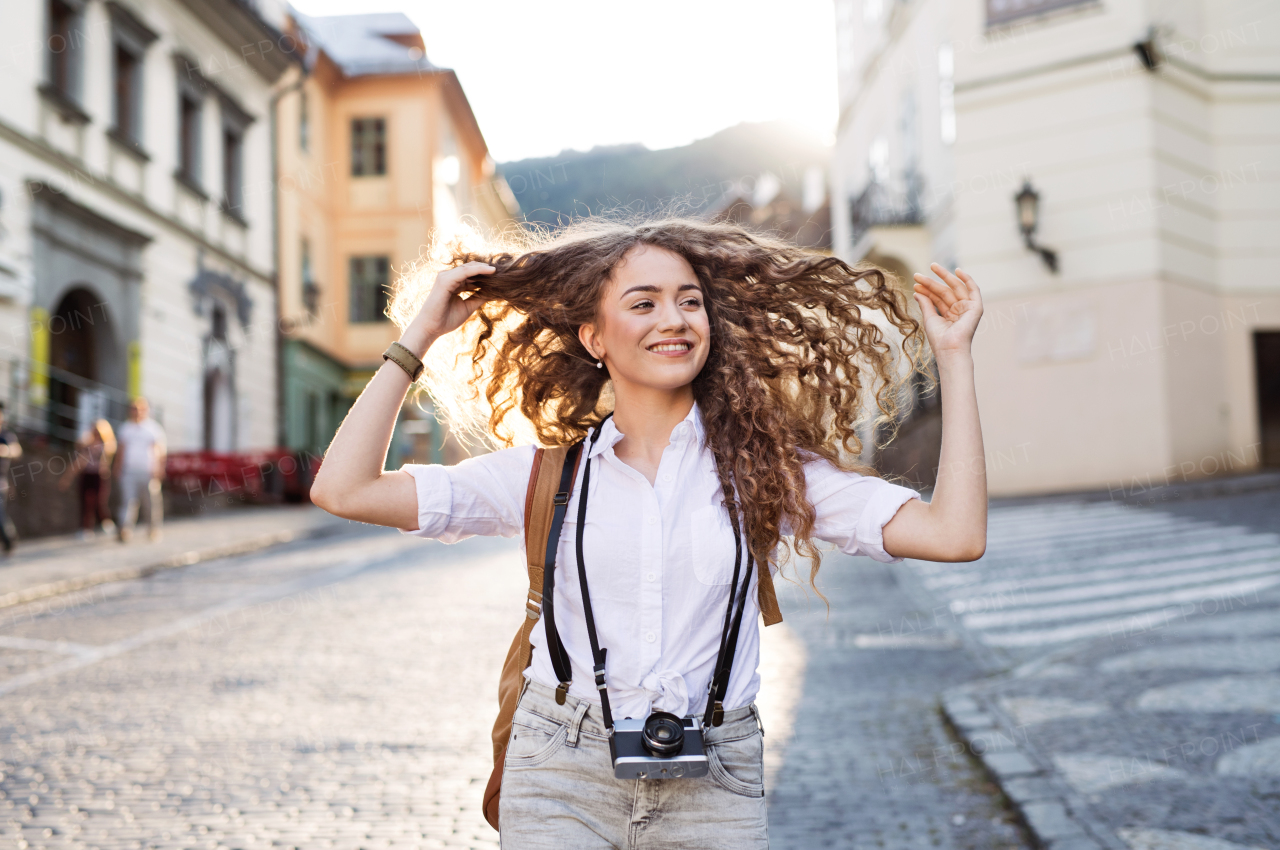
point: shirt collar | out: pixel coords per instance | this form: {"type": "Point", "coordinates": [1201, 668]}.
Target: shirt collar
{"type": "Point", "coordinates": [689, 427]}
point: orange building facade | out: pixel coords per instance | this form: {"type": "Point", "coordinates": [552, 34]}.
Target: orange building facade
{"type": "Point", "coordinates": [376, 149]}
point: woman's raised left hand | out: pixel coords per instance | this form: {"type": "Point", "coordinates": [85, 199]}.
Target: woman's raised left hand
{"type": "Point", "coordinates": [951, 308]}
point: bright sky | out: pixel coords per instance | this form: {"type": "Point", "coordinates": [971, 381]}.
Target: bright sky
{"type": "Point", "coordinates": [543, 77]}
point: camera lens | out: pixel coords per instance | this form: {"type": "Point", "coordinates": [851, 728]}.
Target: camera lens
{"type": "Point", "coordinates": [663, 734]}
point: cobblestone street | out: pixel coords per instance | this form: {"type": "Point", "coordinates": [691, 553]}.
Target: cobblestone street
{"type": "Point", "coordinates": [339, 693]}
{"type": "Point", "coordinates": [1140, 707]}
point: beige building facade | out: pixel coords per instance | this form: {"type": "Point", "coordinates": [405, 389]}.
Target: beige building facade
{"type": "Point", "coordinates": [1149, 133]}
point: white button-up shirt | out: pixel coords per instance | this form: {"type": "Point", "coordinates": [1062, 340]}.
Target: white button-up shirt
{"type": "Point", "coordinates": [659, 560]}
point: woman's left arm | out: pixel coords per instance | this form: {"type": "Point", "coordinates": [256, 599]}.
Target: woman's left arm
{"type": "Point", "coordinates": [953, 526]}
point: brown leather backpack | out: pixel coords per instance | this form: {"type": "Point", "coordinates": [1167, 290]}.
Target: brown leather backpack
{"type": "Point", "coordinates": [539, 507]}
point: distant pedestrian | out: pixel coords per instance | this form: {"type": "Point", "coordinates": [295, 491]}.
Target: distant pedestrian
{"type": "Point", "coordinates": [92, 463]}
{"type": "Point", "coordinates": [139, 467]}
{"type": "Point", "coordinates": [9, 449]}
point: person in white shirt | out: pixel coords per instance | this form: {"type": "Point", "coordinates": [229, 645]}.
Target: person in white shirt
{"type": "Point", "coordinates": [716, 370]}
{"type": "Point", "coordinates": [139, 466]}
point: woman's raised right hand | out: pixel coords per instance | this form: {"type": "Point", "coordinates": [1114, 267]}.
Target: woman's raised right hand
{"type": "Point", "coordinates": [445, 309]}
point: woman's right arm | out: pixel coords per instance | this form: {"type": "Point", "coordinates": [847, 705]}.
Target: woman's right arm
{"type": "Point", "coordinates": [351, 482]}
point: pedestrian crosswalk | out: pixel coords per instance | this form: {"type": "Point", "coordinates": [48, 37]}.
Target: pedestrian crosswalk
{"type": "Point", "coordinates": [1059, 572]}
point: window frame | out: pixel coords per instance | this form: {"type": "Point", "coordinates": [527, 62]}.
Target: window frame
{"type": "Point", "coordinates": [306, 273]}
{"type": "Point", "coordinates": [362, 147]}
{"type": "Point", "coordinates": [130, 37]}
{"type": "Point", "coordinates": [304, 121]}
{"type": "Point", "coordinates": [358, 284]}
{"type": "Point", "coordinates": [997, 17]}
{"type": "Point", "coordinates": [192, 91]}
{"type": "Point", "coordinates": [235, 125]}
{"type": "Point", "coordinates": [64, 68]}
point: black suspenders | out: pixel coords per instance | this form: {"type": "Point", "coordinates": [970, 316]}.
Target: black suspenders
{"type": "Point", "coordinates": [560, 658]}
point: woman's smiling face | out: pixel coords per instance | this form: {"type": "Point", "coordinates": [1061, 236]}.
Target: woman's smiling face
{"type": "Point", "coordinates": [652, 328]}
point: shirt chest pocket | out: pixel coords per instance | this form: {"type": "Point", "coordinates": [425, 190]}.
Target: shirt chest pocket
{"type": "Point", "coordinates": [713, 546]}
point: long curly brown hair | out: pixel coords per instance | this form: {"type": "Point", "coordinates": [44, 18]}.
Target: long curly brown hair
{"type": "Point", "coordinates": [805, 348]}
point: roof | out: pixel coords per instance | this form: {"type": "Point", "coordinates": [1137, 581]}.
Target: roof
{"type": "Point", "coordinates": [362, 45]}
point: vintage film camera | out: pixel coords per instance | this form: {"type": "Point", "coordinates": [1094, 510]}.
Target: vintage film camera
{"type": "Point", "coordinates": [662, 746]}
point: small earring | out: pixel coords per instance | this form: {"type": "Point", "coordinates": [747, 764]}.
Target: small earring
{"type": "Point", "coordinates": [599, 364]}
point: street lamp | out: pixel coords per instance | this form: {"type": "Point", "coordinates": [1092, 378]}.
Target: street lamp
{"type": "Point", "coordinates": [1028, 201]}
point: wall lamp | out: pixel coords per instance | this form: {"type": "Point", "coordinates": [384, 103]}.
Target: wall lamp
{"type": "Point", "coordinates": [1028, 201]}
{"type": "Point", "coordinates": [1148, 52]}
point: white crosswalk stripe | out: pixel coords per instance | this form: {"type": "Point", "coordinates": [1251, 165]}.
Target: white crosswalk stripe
{"type": "Point", "coordinates": [1059, 572]}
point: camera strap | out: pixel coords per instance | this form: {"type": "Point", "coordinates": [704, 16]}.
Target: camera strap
{"type": "Point", "coordinates": [597, 654]}
{"type": "Point", "coordinates": [560, 658]}
{"type": "Point", "coordinates": [729, 634]}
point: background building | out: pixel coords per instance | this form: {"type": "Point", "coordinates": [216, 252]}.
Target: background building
{"type": "Point", "coordinates": [377, 147]}
{"type": "Point", "coordinates": [1151, 134]}
{"type": "Point", "coordinates": [136, 241]}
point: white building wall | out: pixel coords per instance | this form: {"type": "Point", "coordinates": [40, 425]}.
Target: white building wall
{"type": "Point", "coordinates": [1157, 192]}
{"type": "Point", "coordinates": [186, 234]}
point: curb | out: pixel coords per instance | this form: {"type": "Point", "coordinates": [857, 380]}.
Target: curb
{"type": "Point", "coordinates": [184, 559]}
{"type": "Point", "coordinates": [1206, 488]}
{"type": "Point", "coordinates": [1056, 817]}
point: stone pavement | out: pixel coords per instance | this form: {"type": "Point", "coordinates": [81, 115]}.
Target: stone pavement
{"type": "Point", "coordinates": [320, 694]}
{"type": "Point", "coordinates": [339, 692]}
{"type": "Point", "coordinates": [1140, 709]}
{"type": "Point", "coordinates": [53, 566]}
{"type": "Point", "coordinates": [869, 762]}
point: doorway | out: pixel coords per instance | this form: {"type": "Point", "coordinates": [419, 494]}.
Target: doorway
{"type": "Point", "coordinates": [1266, 353]}
{"type": "Point", "coordinates": [79, 341]}
{"type": "Point", "coordinates": [219, 413]}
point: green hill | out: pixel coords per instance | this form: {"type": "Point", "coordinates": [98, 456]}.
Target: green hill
{"type": "Point", "coordinates": [575, 183]}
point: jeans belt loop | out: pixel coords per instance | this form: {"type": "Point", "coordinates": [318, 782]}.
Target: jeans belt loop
{"type": "Point", "coordinates": [756, 713]}
{"type": "Point", "coordinates": [575, 725]}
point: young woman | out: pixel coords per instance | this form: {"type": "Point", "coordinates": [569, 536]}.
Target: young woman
{"type": "Point", "coordinates": [94, 453]}
{"type": "Point", "coordinates": [736, 369]}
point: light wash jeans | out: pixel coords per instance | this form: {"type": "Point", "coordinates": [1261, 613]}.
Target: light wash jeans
{"type": "Point", "coordinates": [133, 486]}
{"type": "Point", "coordinates": [558, 788]}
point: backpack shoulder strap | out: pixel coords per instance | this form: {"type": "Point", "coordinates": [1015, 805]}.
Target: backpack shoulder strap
{"type": "Point", "coordinates": [539, 509]}
{"type": "Point", "coordinates": [539, 506]}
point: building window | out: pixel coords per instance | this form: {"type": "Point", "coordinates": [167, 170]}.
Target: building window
{"type": "Point", "coordinates": [218, 323]}
{"type": "Point", "coordinates": [63, 49]}
{"type": "Point", "coordinates": [235, 121]}
{"type": "Point", "coordinates": [232, 168]}
{"type": "Point", "coordinates": [191, 95]}
{"type": "Point", "coordinates": [369, 289]}
{"type": "Point", "coordinates": [310, 291]}
{"type": "Point", "coordinates": [129, 41]}
{"type": "Point", "coordinates": [127, 79]}
{"type": "Point", "coordinates": [304, 121]}
{"type": "Point", "coordinates": [368, 146]}
{"type": "Point", "coordinates": [1006, 11]}
{"type": "Point", "coordinates": [189, 109]}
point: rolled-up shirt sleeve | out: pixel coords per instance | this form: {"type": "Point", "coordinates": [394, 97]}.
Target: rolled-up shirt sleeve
{"type": "Point", "coordinates": [852, 510]}
{"type": "Point", "coordinates": [480, 496]}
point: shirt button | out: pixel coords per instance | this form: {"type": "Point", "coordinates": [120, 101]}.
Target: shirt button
{"type": "Point", "coordinates": [651, 576]}
{"type": "Point", "coordinates": [666, 477]}
{"type": "Point", "coordinates": [650, 637]}
{"type": "Point", "coordinates": [652, 520]}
